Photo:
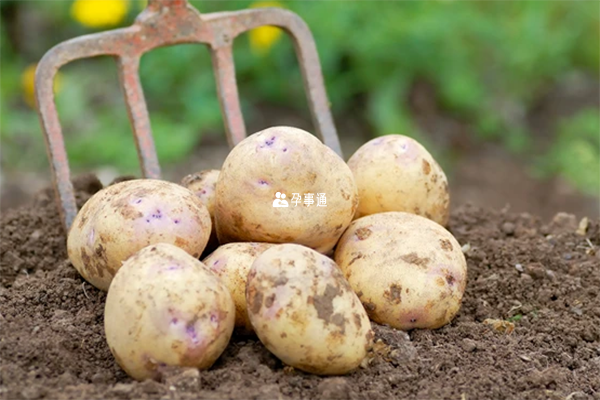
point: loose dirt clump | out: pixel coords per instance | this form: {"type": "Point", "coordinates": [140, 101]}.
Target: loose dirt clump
{"type": "Point", "coordinates": [32, 237]}
{"type": "Point", "coordinates": [541, 278]}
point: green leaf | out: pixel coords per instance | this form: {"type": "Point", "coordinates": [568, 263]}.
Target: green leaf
{"type": "Point", "coordinates": [515, 318]}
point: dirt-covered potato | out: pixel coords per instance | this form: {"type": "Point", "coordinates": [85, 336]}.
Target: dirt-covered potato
{"type": "Point", "coordinates": [231, 262]}
{"type": "Point", "coordinates": [396, 173]}
{"type": "Point", "coordinates": [203, 184]}
{"type": "Point", "coordinates": [264, 175]}
{"type": "Point", "coordinates": [123, 218]}
{"type": "Point", "coordinates": [305, 312]}
{"type": "Point", "coordinates": [164, 307]}
{"type": "Point", "coordinates": [408, 271]}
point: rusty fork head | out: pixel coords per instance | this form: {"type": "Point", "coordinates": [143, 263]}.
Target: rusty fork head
{"type": "Point", "coordinates": [166, 23]}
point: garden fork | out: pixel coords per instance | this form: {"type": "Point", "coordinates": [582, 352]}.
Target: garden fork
{"type": "Point", "coordinates": [165, 23]}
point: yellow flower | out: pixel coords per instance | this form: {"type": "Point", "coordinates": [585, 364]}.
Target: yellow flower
{"type": "Point", "coordinates": [264, 37]}
{"type": "Point", "coordinates": [28, 84]}
{"type": "Point", "coordinates": [99, 13]}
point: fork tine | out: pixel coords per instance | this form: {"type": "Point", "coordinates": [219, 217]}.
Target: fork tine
{"type": "Point", "coordinates": [61, 54]}
{"type": "Point", "coordinates": [138, 115]}
{"type": "Point", "coordinates": [236, 22]}
{"type": "Point", "coordinates": [314, 85]}
{"type": "Point", "coordinates": [55, 144]}
{"type": "Point", "coordinates": [224, 69]}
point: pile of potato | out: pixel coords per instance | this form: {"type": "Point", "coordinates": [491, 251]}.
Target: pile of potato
{"type": "Point", "coordinates": [306, 279]}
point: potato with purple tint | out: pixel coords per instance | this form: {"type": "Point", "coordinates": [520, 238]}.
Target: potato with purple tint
{"type": "Point", "coordinates": [305, 312]}
{"type": "Point", "coordinates": [203, 185]}
{"type": "Point", "coordinates": [396, 173]}
{"type": "Point", "coordinates": [125, 217]}
{"type": "Point", "coordinates": [408, 271]}
{"type": "Point", "coordinates": [231, 263]}
{"type": "Point", "coordinates": [166, 308]}
{"type": "Point", "coordinates": [255, 199]}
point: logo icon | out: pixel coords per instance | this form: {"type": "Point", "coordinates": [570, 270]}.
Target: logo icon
{"type": "Point", "coordinates": [279, 201]}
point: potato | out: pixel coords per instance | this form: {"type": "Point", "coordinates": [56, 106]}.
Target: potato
{"type": "Point", "coordinates": [165, 307]}
{"type": "Point", "coordinates": [264, 171]}
{"type": "Point", "coordinates": [396, 173]}
{"type": "Point", "coordinates": [203, 185]}
{"type": "Point", "coordinates": [231, 263]}
{"type": "Point", "coordinates": [123, 218]}
{"type": "Point", "coordinates": [408, 271]}
{"type": "Point", "coordinates": [305, 312]}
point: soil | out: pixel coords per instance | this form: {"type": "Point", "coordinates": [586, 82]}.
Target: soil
{"type": "Point", "coordinates": [541, 276]}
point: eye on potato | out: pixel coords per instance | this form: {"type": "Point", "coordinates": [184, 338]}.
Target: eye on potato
{"type": "Point", "coordinates": [164, 307]}
{"type": "Point", "coordinates": [203, 185]}
{"type": "Point", "coordinates": [123, 218]}
{"type": "Point", "coordinates": [231, 263]}
{"type": "Point", "coordinates": [408, 271]}
{"type": "Point", "coordinates": [305, 312]}
{"type": "Point", "coordinates": [284, 160]}
{"type": "Point", "coordinates": [396, 173]}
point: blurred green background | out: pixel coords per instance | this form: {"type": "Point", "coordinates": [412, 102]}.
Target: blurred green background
{"type": "Point", "coordinates": [490, 68]}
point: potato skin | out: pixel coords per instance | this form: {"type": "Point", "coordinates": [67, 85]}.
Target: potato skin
{"type": "Point", "coordinates": [203, 184]}
{"type": "Point", "coordinates": [231, 263]}
{"type": "Point", "coordinates": [396, 173]}
{"type": "Point", "coordinates": [123, 218]}
{"type": "Point", "coordinates": [408, 271]}
{"type": "Point", "coordinates": [287, 160]}
{"type": "Point", "coordinates": [305, 312]}
{"type": "Point", "coordinates": [165, 307]}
